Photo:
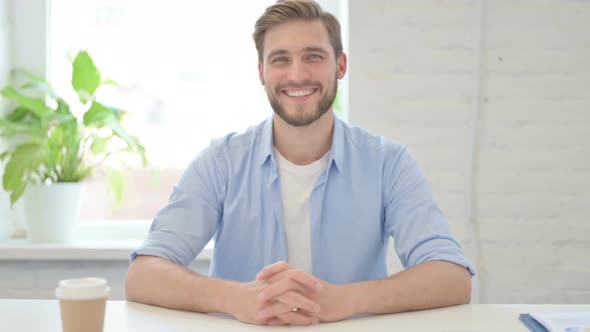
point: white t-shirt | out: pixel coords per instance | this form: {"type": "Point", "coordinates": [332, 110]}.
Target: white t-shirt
{"type": "Point", "coordinates": [296, 185]}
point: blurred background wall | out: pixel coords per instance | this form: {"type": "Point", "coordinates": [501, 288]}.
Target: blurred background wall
{"type": "Point", "coordinates": [493, 99]}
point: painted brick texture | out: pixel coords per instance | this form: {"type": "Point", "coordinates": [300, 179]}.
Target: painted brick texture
{"type": "Point", "coordinates": [413, 78]}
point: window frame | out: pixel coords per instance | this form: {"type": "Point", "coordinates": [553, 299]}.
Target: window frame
{"type": "Point", "coordinates": [30, 47]}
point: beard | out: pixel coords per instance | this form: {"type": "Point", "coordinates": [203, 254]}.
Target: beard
{"type": "Point", "coordinates": [302, 120]}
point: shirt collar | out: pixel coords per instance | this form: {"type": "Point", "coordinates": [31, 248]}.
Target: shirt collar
{"type": "Point", "coordinates": [266, 143]}
{"type": "Point", "coordinates": [335, 156]}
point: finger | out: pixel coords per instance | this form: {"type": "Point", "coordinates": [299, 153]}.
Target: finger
{"type": "Point", "coordinates": [276, 322]}
{"type": "Point", "coordinates": [296, 300]}
{"type": "Point", "coordinates": [274, 310]}
{"type": "Point", "coordinates": [295, 318]}
{"type": "Point", "coordinates": [273, 269]}
{"type": "Point", "coordinates": [286, 302]}
{"type": "Point", "coordinates": [269, 292]}
{"type": "Point", "coordinates": [305, 279]}
{"type": "Point", "coordinates": [298, 283]}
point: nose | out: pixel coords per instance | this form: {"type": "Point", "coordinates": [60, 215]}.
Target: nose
{"type": "Point", "coordinates": [299, 71]}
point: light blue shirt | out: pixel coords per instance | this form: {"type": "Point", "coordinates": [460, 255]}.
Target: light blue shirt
{"type": "Point", "coordinates": [370, 190]}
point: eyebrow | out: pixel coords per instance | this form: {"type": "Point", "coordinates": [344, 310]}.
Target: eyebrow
{"type": "Point", "coordinates": [306, 49]}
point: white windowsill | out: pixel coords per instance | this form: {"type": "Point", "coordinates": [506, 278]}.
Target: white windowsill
{"type": "Point", "coordinates": [105, 240]}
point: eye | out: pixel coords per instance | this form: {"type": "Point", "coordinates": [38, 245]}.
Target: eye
{"type": "Point", "coordinates": [279, 60]}
{"type": "Point", "coordinates": [314, 57]}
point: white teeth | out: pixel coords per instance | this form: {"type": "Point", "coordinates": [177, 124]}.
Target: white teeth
{"type": "Point", "coordinates": [299, 93]}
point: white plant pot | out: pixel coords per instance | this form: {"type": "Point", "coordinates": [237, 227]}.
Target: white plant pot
{"type": "Point", "coordinates": [52, 211]}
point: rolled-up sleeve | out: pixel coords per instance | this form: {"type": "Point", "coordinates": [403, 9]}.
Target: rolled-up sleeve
{"type": "Point", "coordinates": [412, 217]}
{"type": "Point", "coordinates": [181, 229]}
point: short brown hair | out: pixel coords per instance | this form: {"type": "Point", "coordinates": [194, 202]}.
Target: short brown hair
{"type": "Point", "coordinates": [286, 10]}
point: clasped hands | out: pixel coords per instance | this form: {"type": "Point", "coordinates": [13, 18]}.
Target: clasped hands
{"type": "Point", "coordinates": [283, 295]}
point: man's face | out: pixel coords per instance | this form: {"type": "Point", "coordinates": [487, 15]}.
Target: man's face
{"type": "Point", "coordinates": [299, 71]}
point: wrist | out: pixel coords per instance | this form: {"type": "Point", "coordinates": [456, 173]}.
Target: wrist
{"type": "Point", "coordinates": [229, 292]}
{"type": "Point", "coordinates": [349, 299]}
{"type": "Point", "coordinates": [219, 295]}
{"type": "Point", "coordinates": [357, 299]}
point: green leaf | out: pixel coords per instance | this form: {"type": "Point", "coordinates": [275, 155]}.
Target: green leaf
{"type": "Point", "coordinates": [140, 149]}
{"type": "Point", "coordinates": [120, 132]}
{"type": "Point", "coordinates": [62, 107]}
{"type": "Point", "coordinates": [17, 193]}
{"type": "Point", "coordinates": [83, 172]}
{"type": "Point", "coordinates": [18, 114]}
{"type": "Point", "coordinates": [31, 77]}
{"type": "Point", "coordinates": [12, 128]}
{"type": "Point", "coordinates": [99, 116]}
{"type": "Point", "coordinates": [35, 105]}
{"type": "Point", "coordinates": [63, 120]}
{"type": "Point", "coordinates": [26, 157]}
{"type": "Point", "coordinates": [156, 176]}
{"type": "Point", "coordinates": [110, 82]}
{"type": "Point", "coordinates": [55, 147]}
{"type": "Point", "coordinates": [41, 86]}
{"type": "Point", "coordinates": [71, 162]}
{"type": "Point", "coordinates": [4, 155]}
{"type": "Point", "coordinates": [99, 144]}
{"type": "Point", "coordinates": [117, 186]}
{"type": "Point", "coordinates": [133, 144]}
{"type": "Point", "coordinates": [85, 76]}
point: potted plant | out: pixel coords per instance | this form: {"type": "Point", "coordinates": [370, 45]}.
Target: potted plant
{"type": "Point", "coordinates": [57, 144]}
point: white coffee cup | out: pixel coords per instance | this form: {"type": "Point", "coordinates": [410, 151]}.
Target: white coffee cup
{"type": "Point", "coordinates": [82, 304]}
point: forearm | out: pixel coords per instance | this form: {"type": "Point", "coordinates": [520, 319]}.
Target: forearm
{"type": "Point", "coordinates": [430, 285]}
{"type": "Point", "coordinates": [157, 281]}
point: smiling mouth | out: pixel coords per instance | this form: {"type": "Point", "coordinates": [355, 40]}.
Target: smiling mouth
{"type": "Point", "coordinates": [299, 93]}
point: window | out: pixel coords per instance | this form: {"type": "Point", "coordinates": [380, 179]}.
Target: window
{"type": "Point", "coordinates": [187, 72]}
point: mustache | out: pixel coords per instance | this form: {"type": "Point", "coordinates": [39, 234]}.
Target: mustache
{"type": "Point", "coordinates": [298, 85]}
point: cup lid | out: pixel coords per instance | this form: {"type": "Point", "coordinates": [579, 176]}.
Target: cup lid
{"type": "Point", "coordinates": [82, 289]}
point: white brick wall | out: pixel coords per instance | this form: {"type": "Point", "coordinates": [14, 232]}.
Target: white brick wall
{"type": "Point", "coordinates": [538, 64]}
{"type": "Point", "coordinates": [400, 53]}
{"type": "Point", "coordinates": [413, 79]}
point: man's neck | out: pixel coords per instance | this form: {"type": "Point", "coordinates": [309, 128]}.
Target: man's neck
{"type": "Point", "coordinates": [303, 145]}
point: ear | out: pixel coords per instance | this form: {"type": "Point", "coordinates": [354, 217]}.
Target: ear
{"type": "Point", "coordinates": [260, 73]}
{"type": "Point", "coordinates": [342, 65]}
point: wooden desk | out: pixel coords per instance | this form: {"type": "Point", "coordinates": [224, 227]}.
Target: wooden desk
{"type": "Point", "coordinates": [43, 315]}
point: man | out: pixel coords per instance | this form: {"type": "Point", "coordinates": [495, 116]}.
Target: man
{"type": "Point", "coordinates": [301, 206]}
